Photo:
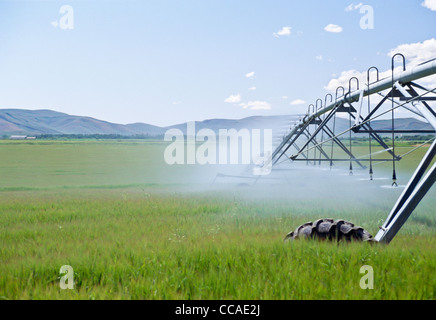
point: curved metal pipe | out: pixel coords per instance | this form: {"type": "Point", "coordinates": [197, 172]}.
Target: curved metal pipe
{"type": "Point", "coordinates": [343, 92]}
{"type": "Point", "coordinates": [317, 105]}
{"type": "Point", "coordinates": [412, 74]}
{"type": "Point", "coordinates": [349, 83]}
{"type": "Point", "coordinates": [407, 76]}
{"type": "Point", "coordinates": [328, 95]}
{"type": "Point", "coordinates": [368, 75]}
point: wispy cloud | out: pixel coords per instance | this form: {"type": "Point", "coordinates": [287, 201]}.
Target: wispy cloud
{"type": "Point", "coordinates": [431, 4]}
{"type": "Point", "coordinates": [252, 89]}
{"type": "Point", "coordinates": [256, 105]}
{"type": "Point", "coordinates": [250, 75]}
{"type": "Point", "coordinates": [353, 7]}
{"type": "Point", "coordinates": [297, 102]}
{"type": "Point", "coordinates": [320, 57]}
{"type": "Point", "coordinates": [285, 31]}
{"type": "Point", "coordinates": [333, 28]}
{"type": "Point", "coordinates": [234, 98]}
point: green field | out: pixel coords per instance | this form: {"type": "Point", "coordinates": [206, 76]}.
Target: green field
{"type": "Point", "coordinates": [134, 228]}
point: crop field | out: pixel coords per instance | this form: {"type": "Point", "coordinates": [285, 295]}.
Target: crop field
{"type": "Point", "coordinates": [133, 227]}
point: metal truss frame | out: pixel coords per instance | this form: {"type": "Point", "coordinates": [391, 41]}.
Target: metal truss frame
{"type": "Point", "coordinates": [316, 132]}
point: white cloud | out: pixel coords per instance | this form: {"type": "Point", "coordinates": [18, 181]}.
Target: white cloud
{"type": "Point", "coordinates": [320, 57]}
{"type": "Point", "coordinates": [285, 31]}
{"type": "Point", "coordinates": [343, 80]}
{"type": "Point", "coordinates": [252, 89]}
{"type": "Point", "coordinates": [256, 105]}
{"type": "Point", "coordinates": [431, 4]}
{"type": "Point", "coordinates": [235, 98]}
{"type": "Point", "coordinates": [345, 76]}
{"type": "Point", "coordinates": [285, 97]}
{"type": "Point", "coordinates": [297, 102]}
{"type": "Point", "coordinates": [353, 7]}
{"type": "Point", "coordinates": [250, 75]}
{"type": "Point", "coordinates": [415, 53]}
{"type": "Point", "coordinates": [333, 28]}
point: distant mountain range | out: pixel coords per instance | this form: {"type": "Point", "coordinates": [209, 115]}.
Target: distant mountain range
{"type": "Point", "coordinates": [17, 121]}
{"type": "Point", "coordinates": [34, 122]}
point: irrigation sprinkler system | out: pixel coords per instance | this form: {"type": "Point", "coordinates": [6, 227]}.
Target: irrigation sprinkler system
{"type": "Point", "coordinates": [315, 139]}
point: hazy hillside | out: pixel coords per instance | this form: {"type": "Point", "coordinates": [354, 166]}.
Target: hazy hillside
{"type": "Point", "coordinates": [25, 122]}
{"type": "Point", "coordinates": [277, 123]}
{"type": "Point", "coordinates": [29, 122]}
{"type": "Point", "coordinates": [400, 124]}
{"type": "Point", "coordinates": [16, 121]}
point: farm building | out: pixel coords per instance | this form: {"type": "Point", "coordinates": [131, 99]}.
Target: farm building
{"type": "Point", "coordinates": [21, 138]}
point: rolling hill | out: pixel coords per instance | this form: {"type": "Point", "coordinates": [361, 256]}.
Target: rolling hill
{"type": "Point", "coordinates": [17, 121]}
{"type": "Point", "coordinates": [34, 122]}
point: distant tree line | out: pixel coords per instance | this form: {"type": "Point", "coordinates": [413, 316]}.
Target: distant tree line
{"type": "Point", "coordinates": [97, 137]}
{"type": "Point", "coordinates": [413, 138]}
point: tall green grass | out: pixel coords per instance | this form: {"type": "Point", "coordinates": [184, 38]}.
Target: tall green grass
{"type": "Point", "coordinates": [136, 246]}
{"type": "Point", "coordinates": [139, 237]}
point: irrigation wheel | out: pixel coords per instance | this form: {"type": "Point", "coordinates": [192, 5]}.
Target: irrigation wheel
{"type": "Point", "coordinates": [330, 230]}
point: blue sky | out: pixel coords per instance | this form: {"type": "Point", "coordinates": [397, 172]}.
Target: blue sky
{"type": "Point", "coordinates": [169, 61]}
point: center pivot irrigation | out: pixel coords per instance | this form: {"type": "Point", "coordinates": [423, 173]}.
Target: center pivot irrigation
{"type": "Point", "coordinates": [315, 139]}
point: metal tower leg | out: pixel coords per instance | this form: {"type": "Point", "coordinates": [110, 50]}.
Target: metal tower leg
{"type": "Point", "coordinates": [417, 188]}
